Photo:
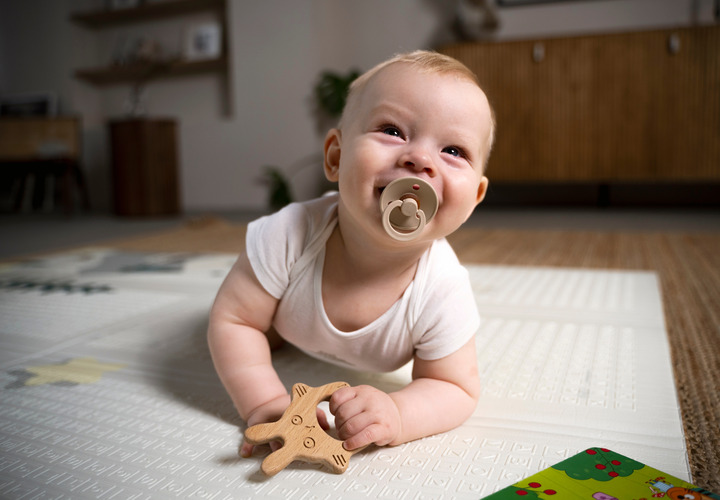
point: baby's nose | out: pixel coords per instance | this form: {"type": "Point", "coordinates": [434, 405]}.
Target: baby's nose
{"type": "Point", "coordinates": [421, 164]}
{"type": "Point", "coordinates": [419, 161]}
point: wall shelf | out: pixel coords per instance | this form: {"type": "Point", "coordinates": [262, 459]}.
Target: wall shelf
{"type": "Point", "coordinates": [142, 72]}
{"type": "Point", "coordinates": [139, 72]}
{"type": "Point", "coordinates": [145, 12]}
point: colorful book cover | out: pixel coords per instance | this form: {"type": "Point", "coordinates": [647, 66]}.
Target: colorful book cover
{"type": "Point", "coordinates": [601, 474]}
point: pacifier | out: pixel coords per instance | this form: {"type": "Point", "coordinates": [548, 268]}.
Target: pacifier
{"type": "Point", "coordinates": [407, 205]}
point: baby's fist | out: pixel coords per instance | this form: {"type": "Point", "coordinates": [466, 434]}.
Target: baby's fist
{"type": "Point", "coordinates": [365, 415]}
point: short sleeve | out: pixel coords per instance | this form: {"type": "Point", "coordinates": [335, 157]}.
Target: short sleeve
{"type": "Point", "coordinates": [281, 243]}
{"type": "Point", "coordinates": [273, 244]}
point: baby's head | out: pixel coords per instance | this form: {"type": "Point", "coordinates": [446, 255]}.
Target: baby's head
{"type": "Point", "coordinates": [425, 61]}
{"type": "Point", "coordinates": [418, 115]}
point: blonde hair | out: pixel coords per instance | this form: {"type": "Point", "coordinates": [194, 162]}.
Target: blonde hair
{"type": "Point", "coordinates": [424, 60]}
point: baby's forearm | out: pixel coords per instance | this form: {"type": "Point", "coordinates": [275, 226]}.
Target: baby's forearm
{"type": "Point", "coordinates": [241, 355]}
{"type": "Point", "coordinates": [430, 406]}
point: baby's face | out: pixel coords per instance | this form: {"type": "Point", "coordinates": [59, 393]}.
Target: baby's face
{"type": "Point", "coordinates": [412, 123]}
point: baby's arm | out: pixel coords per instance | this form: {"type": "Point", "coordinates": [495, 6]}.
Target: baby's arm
{"type": "Point", "coordinates": [442, 395]}
{"type": "Point", "coordinates": [242, 311]}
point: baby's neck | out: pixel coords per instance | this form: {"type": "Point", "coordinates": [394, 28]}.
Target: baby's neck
{"type": "Point", "coordinates": [361, 281]}
{"type": "Point", "coordinates": [366, 256]}
{"type": "Point", "coordinates": [370, 251]}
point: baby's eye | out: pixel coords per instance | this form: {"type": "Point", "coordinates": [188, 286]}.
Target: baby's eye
{"type": "Point", "coordinates": [454, 151]}
{"type": "Point", "coordinates": [391, 130]}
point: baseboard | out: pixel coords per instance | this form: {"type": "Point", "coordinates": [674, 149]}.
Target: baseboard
{"type": "Point", "coordinates": [681, 194]}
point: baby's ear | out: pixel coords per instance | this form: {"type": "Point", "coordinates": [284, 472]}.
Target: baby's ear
{"type": "Point", "coordinates": [331, 163]}
{"type": "Point", "coordinates": [482, 189]}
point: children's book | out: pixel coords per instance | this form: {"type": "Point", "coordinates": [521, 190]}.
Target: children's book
{"type": "Point", "coordinates": [602, 474]}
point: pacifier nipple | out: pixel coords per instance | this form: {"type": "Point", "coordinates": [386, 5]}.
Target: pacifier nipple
{"type": "Point", "coordinates": [407, 205]}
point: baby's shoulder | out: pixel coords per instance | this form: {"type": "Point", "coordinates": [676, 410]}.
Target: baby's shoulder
{"type": "Point", "coordinates": [440, 274]}
{"type": "Point", "coordinates": [441, 260]}
{"type": "Point", "coordinates": [301, 219]}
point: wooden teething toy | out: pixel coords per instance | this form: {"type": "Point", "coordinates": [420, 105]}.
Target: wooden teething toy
{"type": "Point", "coordinates": [303, 438]}
{"type": "Point", "coordinates": [407, 204]}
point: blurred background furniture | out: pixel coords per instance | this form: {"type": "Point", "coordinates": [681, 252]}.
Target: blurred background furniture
{"type": "Point", "coordinates": [38, 152]}
{"type": "Point", "coordinates": [145, 166]}
{"type": "Point", "coordinates": [618, 109]}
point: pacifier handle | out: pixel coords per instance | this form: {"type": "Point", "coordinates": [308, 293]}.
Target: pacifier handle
{"type": "Point", "coordinates": [403, 206]}
{"type": "Point", "coordinates": [407, 205]}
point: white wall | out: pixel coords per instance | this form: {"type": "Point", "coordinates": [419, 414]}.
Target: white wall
{"type": "Point", "coordinates": [601, 16]}
{"type": "Point", "coordinates": [278, 48]}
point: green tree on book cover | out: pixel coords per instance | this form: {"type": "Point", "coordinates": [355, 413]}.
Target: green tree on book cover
{"type": "Point", "coordinates": [600, 464]}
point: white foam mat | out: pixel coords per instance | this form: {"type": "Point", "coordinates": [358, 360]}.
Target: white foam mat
{"type": "Point", "coordinates": [107, 389]}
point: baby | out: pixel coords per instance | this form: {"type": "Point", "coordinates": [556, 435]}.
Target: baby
{"type": "Point", "coordinates": [327, 277]}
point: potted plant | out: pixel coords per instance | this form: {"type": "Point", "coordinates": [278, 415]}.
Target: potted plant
{"type": "Point", "coordinates": [329, 96]}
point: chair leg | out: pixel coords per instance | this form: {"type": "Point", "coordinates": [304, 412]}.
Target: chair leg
{"type": "Point", "coordinates": [67, 190]}
{"type": "Point", "coordinates": [73, 178]}
{"type": "Point", "coordinates": [20, 197]}
{"type": "Point", "coordinates": [82, 187]}
{"type": "Point", "coordinates": [38, 198]}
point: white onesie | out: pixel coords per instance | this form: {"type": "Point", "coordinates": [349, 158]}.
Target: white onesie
{"type": "Point", "coordinates": [435, 316]}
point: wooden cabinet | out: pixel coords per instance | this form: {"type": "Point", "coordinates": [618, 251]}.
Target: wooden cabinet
{"type": "Point", "coordinates": [145, 167]}
{"type": "Point", "coordinates": [621, 107]}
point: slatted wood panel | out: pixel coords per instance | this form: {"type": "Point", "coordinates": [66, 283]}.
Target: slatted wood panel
{"type": "Point", "coordinates": [617, 107]}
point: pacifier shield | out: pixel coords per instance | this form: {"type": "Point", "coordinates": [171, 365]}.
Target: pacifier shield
{"type": "Point", "coordinates": [407, 205]}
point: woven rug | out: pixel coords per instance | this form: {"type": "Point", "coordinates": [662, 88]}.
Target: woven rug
{"type": "Point", "coordinates": [107, 385]}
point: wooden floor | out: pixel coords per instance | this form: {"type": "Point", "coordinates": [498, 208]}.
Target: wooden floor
{"type": "Point", "coordinates": [688, 265]}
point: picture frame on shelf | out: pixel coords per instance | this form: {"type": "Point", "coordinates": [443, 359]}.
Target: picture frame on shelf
{"type": "Point", "coordinates": [203, 41]}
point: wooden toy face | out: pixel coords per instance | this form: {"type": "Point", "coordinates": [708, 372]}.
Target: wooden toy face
{"type": "Point", "coordinates": [303, 438]}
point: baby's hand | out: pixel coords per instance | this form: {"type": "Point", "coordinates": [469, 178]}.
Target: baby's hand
{"type": "Point", "coordinates": [365, 415]}
{"type": "Point", "coordinates": [271, 412]}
